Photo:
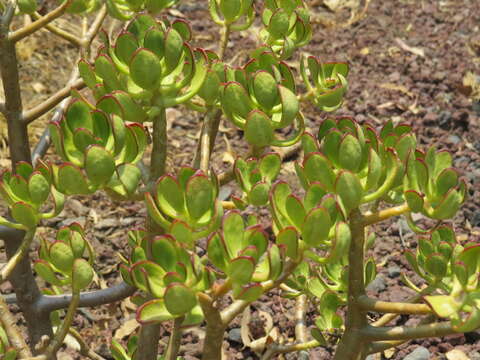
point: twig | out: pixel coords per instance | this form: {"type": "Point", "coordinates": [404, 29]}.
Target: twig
{"type": "Point", "coordinates": [93, 31]}
{"type": "Point", "coordinates": [369, 304]}
{"type": "Point", "coordinates": [382, 215]}
{"type": "Point", "coordinates": [85, 349]}
{"type": "Point", "coordinates": [7, 17]}
{"type": "Point", "coordinates": [60, 32]}
{"type": "Point", "coordinates": [288, 348]}
{"type": "Point", "coordinates": [175, 339]}
{"type": "Point", "coordinates": [14, 334]}
{"type": "Point", "coordinates": [405, 332]}
{"type": "Point", "coordinates": [19, 256]}
{"type": "Point", "coordinates": [52, 101]}
{"type": "Point", "coordinates": [62, 331]}
{"type": "Point", "coordinates": [38, 24]}
{"type": "Point", "coordinates": [301, 306]}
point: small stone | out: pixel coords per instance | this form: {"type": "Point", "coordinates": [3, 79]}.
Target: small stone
{"type": "Point", "coordinates": [67, 222]}
{"type": "Point", "coordinates": [106, 223]}
{"type": "Point", "coordinates": [77, 207]}
{"type": "Point", "coordinates": [393, 271]}
{"type": "Point", "coordinates": [454, 139]}
{"type": "Point", "coordinates": [377, 285]}
{"type": "Point", "coordinates": [235, 335]}
{"type": "Point", "coordinates": [419, 353]}
{"type": "Point", "coordinates": [474, 355]}
{"type": "Point", "coordinates": [456, 354]}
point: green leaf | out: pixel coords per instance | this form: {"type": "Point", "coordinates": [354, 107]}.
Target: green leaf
{"type": "Point", "coordinates": [199, 195]}
{"type": "Point", "coordinates": [448, 206]}
{"type": "Point", "coordinates": [155, 41]}
{"type": "Point", "coordinates": [350, 190]}
{"type": "Point", "coordinates": [233, 229]}
{"type": "Point", "coordinates": [279, 24]}
{"type": "Point", "coordinates": [235, 100]}
{"type": "Point", "coordinates": [179, 299]}
{"type": "Point", "coordinates": [341, 243]}
{"type": "Point", "coordinates": [125, 46]}
{"type": "Point", "coordinates": [217, 251]}
{"type": "Point", "coordinates": [45, 271]}
{"type": "Point", "coordinates": [153, 311]}
{"type": "Point", "coordinates": [231, 9]}
{"type": "Point", "coordinates": [99, 165]}
{"type": "Point", "coordinates": [240, 269]}
{"type": "Point", "coordinates": [414, 200]}
{"type": "Point", "coordinates": [436, 265]}
{"type": "Point", "coordinates": [289, 238]}
{"type": "Point", "coordinates": [265, 89]}
{"type": "Point", "coordinates": [443, 305]}
{"type": "Point", "coordinates": [295, 211]}
{"type": "Point", "coordinates": [145, 69]}
{"type": "Point", "coordinates": [82, 275]}
{"type": "Point", "coordinates": [249, 292]}
{"type": "Point", "coordinates": [130, 177]}
{"type": "Point", "coordinates": [24, 214]}
{"type": "Point", "coordinates": [164, 252]}
{"type": "Point", "coordinates": [319, 169]}
{"type": "Point", "coordinates": [27, 6]}
{"type": "Point", "coordinates": [316, 226]}
{"type": "Point", "coordinates": [182, 233]}
{"type": "Point", "coordinates": [258, 129]}
{"type": "Point", "coordinates": [170, 196]}
{"type": "Point", "coordinates": [258, 195]}
{"type": "Point", "coordinates": [350, 153]}
{"type": "Point", "coordinates": [61, 256]}
{"type": "Point", "coordinates": [173, 49]}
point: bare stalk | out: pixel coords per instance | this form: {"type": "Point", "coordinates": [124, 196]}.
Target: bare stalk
{"type": "Point", "coordinates": [382, 215]}
{"type": "Point", "coordinates": [62, 331]}
{"type": "Point", "coordinates": [14, 334]}
{"type": "Point", "coordinates": [34, 113]}
{"type": "Point", "coordinates": [406, 333]}
{"type": "Point", "coordinates": [74, 40]}
{"type": "Point", "coordinates": [352, 345]}
{"type": "Point", "coordinates": [159, 147]}
{"type": "Point", "coordinates": [212, 346]}
{"type": "Point", "coordinates": [18, 257]}
{"type": "Point", "coordinates": [175, 339]}
{"type": "Point", "coordinates": [369, 304]}
{"type": "Point", "coordinates": [38, 24]}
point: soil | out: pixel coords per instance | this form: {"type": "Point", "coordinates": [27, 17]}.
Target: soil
{"type": "Point", "coordinates": [407, 58]}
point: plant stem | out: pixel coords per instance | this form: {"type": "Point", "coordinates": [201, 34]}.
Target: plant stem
{"type": "Point", "coordinates": [352, 346]}
{"type": "Point", "coordinates": [301, 307]}
{"type": "Point", "coordinates": [13, 333]}
{"type": "Point", "coordinates": [224, 41]}
{"type": "Point", "coordinates": [159, 148]}
{"type": "Point", "coordinates": [175, 339]}
{"type": "Point", "coordinates": [18, 257]}
{"type": "Point", "coordinates": [62, 331]}
{"type": "Point", "coordinates": [85, 349]}
{"type": "Point", "coordinates": [369, 304]}
{"type": "Point", "coordinates": [405, 333]}
{"type": "Point", "coordinates": [385, 214]}
{"type": "Point", "coordinates": [212, 346]}
{"type": "Point", "coordinates": [147, 347]}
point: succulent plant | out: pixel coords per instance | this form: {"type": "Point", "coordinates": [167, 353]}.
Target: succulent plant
{"type": "Point", "coordinates": [150, 66]}
{"type": "Point", "coordinates": [260, 98]}
{"type": "Point", "coordinates": [62, 262]}
{"type": "Point", "coordinates": [186, 205]}
{"type": "Point", "coordinates": [26, 191]}
{"type": "Point", "coordinates": [100, 151]}
{"type": "Point", "coordinates": [287, 26]}
{"type": "Point", "coordinates": [230, 12]}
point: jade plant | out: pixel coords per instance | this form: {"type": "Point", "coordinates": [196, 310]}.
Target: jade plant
{"type": "Point", "coordinates": [202, 258]}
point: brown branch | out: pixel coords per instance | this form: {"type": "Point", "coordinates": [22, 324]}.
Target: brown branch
{"type": "Point", "coordinates": [369, 304]}
{"type": "Point", "coordinates": [288, 348]}
{"type": "Point", "coordinates": [60, 32]}
{"type": "Point", "coordinates": [38, 24]}
{"type": "Point", "coordinates": [212, 347]}
{"type": "Point", "coordinates": [93, 31]}
{"type": "Point", "coordinates": [34, 113]}
{"type": "Point", "coordinates": [19, 255]}
{"type": "Point", "coordinates": [175, 339]}
{"type": "Point", "coordinates": [7, 17]}
{"type": "Point", "coordinates": [229, 313]}
{"type": "Point", "coordinates": [372, 333]}
{"type": "Point", "coordinates": [14, 334]}
{"type": "Point", "coordinates": [85, 349]}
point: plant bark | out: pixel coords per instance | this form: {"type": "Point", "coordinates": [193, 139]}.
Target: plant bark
{"type": "Point", "coordinates": [352, 346]}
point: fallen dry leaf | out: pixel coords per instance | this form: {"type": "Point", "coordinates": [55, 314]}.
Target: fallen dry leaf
{"type": "Point", "coordinates": [126, 329]}
{"type": "Point", "coordinates": [456, 354]}
{"type": "Point", "coordinates": [414, 50]}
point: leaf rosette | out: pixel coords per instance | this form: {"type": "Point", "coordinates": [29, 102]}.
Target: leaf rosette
{"type": "Point", "coordinates": [259, 98]}
{"type": "Point", "coordinates": [150, 66]}
{"type": "Point", "coordinates": [26, 192]}
{"type": "Point", "coordinates": [286, 26]}
{"type": "Point", "coordinates": [186, 205]}
{"type": "Point", "coordinates": [326, 83]}
{"type": "Point", "coordinates": [62, 262]}
{"type": "Point", "coordinates": [100, 151]}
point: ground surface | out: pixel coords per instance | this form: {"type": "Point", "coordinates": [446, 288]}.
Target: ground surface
{"type": "Point", "coordinates": [407, 61]}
